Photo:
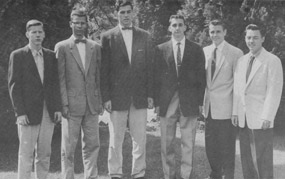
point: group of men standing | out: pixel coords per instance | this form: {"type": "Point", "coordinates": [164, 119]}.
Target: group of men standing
{"type": "Point", "coordinates": [125, 75]}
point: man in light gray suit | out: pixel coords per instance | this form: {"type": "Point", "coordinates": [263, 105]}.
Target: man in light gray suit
{"type": "Point", "coordinates": [220, 134]}
{"type": "Point", "coordinates": [78, 65]}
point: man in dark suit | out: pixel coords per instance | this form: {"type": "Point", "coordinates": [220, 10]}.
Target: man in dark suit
{"type": "Point", "coordinates": [78, 66]}
{"type": "Point", "coordinates": [180, 81]}
{"type": "Point", "coordinates": [34, 91]}
{"type": "Point", "coordinates": [126, 85]}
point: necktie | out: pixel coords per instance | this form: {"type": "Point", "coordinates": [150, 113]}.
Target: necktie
{"type": "Point", "coordinates": [178, 57]}
{"type": "Point", "coordinates": [40, 64]}
{"type": "Point", "coordinates": [213, 65]}
{"type": "Point", "coordinates": [80, 40]}
{"type": "Point", "coordinates": [127, 28]}
{"type": "Point", "coordinates": [249, 67]}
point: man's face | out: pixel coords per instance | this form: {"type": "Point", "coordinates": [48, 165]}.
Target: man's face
{"type": "Point", "coordinates": [78, 25]}
{"type": "Point", "coordinates": [177, 28]}
{"type": "Point", "coordinates": [125, 16]}
{"type": "Point", "coordinates": [254, 40]}
{"type": "Point", "coordinates": [217, 34]}
{"type": "Point", "coordinates": [35, 35]}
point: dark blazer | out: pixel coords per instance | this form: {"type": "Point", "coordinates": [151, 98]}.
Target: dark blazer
{"type": "Point", "coordinates": [79, 86]}
{"type": "Point", "coordinates": [190, 84]}
{"type": "Point", "coordinates": [26, 90]}
{"type": "Point", "coordinates": [122, 82]}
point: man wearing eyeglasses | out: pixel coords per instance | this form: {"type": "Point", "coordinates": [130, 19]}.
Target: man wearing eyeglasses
{"type": "Point", "coordinates": [180, 81]}
{"type": "Point", "coordinates": [78, 64]}
{"type": "Point", "coordinates": [126, 85]}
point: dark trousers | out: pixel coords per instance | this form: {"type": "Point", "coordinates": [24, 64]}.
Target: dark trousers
{"type": "Point", "coordinates": [220, 140]}
{"type": "Point", "coordinates": [256, 147]}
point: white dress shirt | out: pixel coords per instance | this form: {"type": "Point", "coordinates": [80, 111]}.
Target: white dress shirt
{"type": "Point", "coordinates": [39, 60]}
{"type": "Point", "coordinates": [220, 48]}
{"type": "Point", "coordinates": [128, 39]}
{"type": "Point", "coordinates": [82, 51]}
{"type": "Point", "coordinates": [175, 48]}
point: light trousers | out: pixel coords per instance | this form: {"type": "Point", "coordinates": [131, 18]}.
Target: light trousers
{"type": "Point", "coordinates": [117, 128]}
{"type": "Point", "coordinates": [35, 145]}
{"type": "Point", "coordinates": [168, 131]}
{"type": "Point", "coordinates": [88, 125]}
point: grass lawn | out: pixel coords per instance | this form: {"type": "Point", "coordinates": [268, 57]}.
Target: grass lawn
{"type": "Point", "coordinates": [9, 148]}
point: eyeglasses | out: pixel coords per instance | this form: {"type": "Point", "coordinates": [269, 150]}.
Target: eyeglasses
{"type": "Point", "coordinates": [79, 23]}
{"type": "Point", "coordinates": [179, 25]}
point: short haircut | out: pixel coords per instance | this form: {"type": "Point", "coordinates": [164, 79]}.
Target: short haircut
{"type": "Point", "coordinates": [122, 3]}
{"type": "Point", "coordinates": [33, 22]}
{"type": "Point", "coordinates": [78, 11]}
{"type": "Point", "coordinates": [218, 22]}
{"type": "Point", "coordinates": [255, 27]}
{"type": "Point", "coordinates": [177, 16]}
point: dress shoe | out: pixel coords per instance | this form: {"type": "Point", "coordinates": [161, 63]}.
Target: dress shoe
{"type": "Point", "coordinates": [115, 178]}
{"type": "Point", "coordinates": [139, 178]}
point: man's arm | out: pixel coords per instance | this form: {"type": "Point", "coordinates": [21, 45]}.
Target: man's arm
{"type": "Point", "coordinates": [201, 75]}
{"type": "Point", "coordinates": [149, 59]}
{"type": "Point", "coordinates": [61, 61]}
{"type": "Point", "coordinates": [15, 83]}
{"type": "Point", "coordinates": [274, 91]}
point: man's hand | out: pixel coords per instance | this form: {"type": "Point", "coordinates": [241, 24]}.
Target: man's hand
{"type": "Point", "coordinates": [108, 106]}
{"type": "Point", "coordinates": [266, 124]}
{"type": "Point", "coordinates": [201, 115]}
{"type": "Point", "coordinates": [65, 112]}
{"type": "Point", "coordinates": [235, 120]}
{"type": "Point", "coordinates": [23, 120]}
{"type": "Point", "coordinates": [57, 117]}
{"type": "Point", "coordinates": [150, 103]}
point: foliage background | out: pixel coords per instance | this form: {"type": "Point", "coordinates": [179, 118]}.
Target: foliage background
{"type": "Point", "coordinates": [152, 15]}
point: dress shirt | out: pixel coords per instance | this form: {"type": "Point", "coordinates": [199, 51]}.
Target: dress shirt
{"type": "Point", "coordinates": [39, 60]}
{"type": "Point", "coordinates": [175, 48]}
{"type": "Point", "coordinates": [128, 39]}
{"type": "Point", "coordinates": [220, 48]}
{"type": "Point", "coordinates": [82, 51]}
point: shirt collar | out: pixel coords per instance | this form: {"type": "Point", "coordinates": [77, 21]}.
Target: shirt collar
{"type": "Point", "coordinates": [34, 51]}
{"type": "Point", "coordinates": [73, 37]}
{"type": "Point", "coordinates": [257, 54]}
{"type": "Point", "coordinates": [182, 42]}
{"type": "Point", "coordinates": [220, 46]}
{"type": "Point", "coordinates": [120, 26]}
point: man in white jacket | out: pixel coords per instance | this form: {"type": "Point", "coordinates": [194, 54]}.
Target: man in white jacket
{"type": "Point", "coordinates": [258, 86]}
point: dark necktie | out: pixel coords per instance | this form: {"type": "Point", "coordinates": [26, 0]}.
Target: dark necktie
{"type": "Point", "coordinates": [80, 40]}
{"type": "Point", "coordinates": [127, 28]}
{"type": "Point", "coordinates": [178, 57]}
{"type": "Point", "coordinates": [249, 67]}
{"type": "Point", "coordinates": [213, 65]}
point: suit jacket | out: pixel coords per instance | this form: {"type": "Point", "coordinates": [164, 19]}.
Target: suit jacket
{"type": "Point", "coordinates": [258, 99]}
{"type": "Point", "coordinates": [79, 87]}
{"type": "Point", "coordinates": [27, 92]}
{"type": "Point", "coordinates": [123, 82]}
{"type": "Point", "coordinates": [190, 83]}
{"type": "Point", "coordinates": [219, 90]}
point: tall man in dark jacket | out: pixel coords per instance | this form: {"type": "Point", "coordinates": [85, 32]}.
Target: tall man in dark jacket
{"type": "Point", "coordinates": [34, 91]}
{"type": "Point", "coordinates": [126, 85]}
{"type": "Point", "coordinates": [180, 81]}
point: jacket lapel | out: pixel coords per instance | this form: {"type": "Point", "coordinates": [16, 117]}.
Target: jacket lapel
{"type": "Point", "coordinates": [170, 56]}
{"type": "Point", "coordinates": [256, 65]}
{"type": "Point", "coordinates": [121, 42]}
{"type": "Point", "coordinates": [134, 43]}
{"type": "Point", "coordinates": [88, 55]}
{"type": "Point", "coordinates": [75, 53]}
{"type": "Point", "coordinates": [221, 61]}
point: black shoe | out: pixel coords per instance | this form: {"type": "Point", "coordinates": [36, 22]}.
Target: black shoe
{"type": "Point", "coordinates": [115, 178]}
{"type": "Point", "coordinates": [140, 178]}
